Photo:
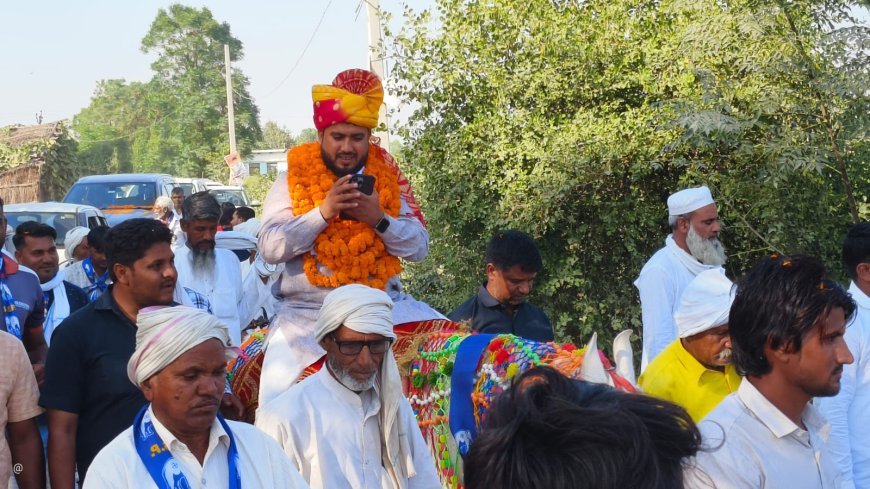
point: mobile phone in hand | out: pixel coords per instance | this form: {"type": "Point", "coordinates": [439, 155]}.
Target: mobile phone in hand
{"type": "Point", "coordinates": [366, 183]}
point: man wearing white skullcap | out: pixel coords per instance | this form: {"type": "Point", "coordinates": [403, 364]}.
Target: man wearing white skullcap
{"type": "Point", "coordinates": [179, 439]}
{"type": "Point", "coordinates": [695, 370]}
{"type": "Point", "coordinates": [349, 425]}
{"type": "Point", "coordinates": [692, 247]}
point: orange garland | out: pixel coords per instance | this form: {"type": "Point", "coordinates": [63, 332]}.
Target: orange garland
{"type": "Point", "coordinates": [351, 250]}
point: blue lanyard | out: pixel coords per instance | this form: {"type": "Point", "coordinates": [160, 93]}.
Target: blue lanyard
{"type": "Point", "coordinates": [165, 471]}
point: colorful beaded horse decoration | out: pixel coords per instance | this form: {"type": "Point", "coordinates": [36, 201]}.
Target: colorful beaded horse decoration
{"type": "Point", "coordinates": [451, 376]}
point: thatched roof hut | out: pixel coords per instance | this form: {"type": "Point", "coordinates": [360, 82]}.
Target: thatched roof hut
{"type": "Point", "coordinates": [37, 163]}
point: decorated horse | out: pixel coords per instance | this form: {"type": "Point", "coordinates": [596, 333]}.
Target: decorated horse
{"type": "Point", "coordinates": [451, 376]}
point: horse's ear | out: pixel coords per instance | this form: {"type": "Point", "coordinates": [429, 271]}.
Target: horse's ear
{"type": "Point", "coordinates": [623, 356]}
{"type": "Point", "coordinates": [593, 369]}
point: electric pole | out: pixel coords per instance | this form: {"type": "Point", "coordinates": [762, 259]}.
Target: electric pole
{"type": "Point", "coordinates": [230, 112]}
{"type": "Point", "coordinates": [377, 64]}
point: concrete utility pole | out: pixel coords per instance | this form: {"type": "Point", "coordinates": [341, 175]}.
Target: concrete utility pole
{"type": "Point", "coordinates": [230, 112]}
{"type": "Point", "coordinates": [377, 64]}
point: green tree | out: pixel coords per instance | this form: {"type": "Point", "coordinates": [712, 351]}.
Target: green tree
{"type": "Point", "coordinates": [276, 136]}
{"type": "Point", "coordinates": [308, 135]}
{"type": "Point", "coordinates": [574, 121]}
{"type": "Point", "coordinates": [177, 121]}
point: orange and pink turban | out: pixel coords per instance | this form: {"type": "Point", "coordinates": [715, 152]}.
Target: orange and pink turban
{"type": "Point", "coordinates": [355, 96]}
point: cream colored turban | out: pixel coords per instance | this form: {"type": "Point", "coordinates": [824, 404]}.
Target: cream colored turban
{"type": "Point", "coordinates": [369, 311]}
{"type": "Point", "coordinates": [689, 200]}
{"type": "Point", "coordinates": [705, 303]}
{"type": "Point", "coordinates": [73, 238]}
{"type": "Point", "coordinates": [165, 333]}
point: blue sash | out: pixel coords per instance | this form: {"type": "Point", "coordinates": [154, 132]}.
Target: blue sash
{"type": "Point", "coordinates": [164, 470]}
{"type": "Point", "coordinates": [461, 416]}
{"type": "Point", "coordinates": [98, 284]}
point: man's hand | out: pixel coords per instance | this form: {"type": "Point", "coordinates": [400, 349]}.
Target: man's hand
{"type": "Point", "coordinates": [341, 197]}
{"type": "Point", "coordinates": [232, 408]}
{"type": "Point", "coordinates": [368, 209]}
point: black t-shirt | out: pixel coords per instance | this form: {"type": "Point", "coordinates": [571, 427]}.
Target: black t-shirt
{"type": "Point", "coordinates": [86, 374]}
{"type": "Point", "coordinates": [487, 315]}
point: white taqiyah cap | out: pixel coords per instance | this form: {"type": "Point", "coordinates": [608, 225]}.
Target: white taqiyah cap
{"type": "Point", "coordinates": [688, 200]}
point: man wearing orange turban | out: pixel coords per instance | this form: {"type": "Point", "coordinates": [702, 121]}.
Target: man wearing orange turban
{"type": "Point", "coordinates": [327, 231]}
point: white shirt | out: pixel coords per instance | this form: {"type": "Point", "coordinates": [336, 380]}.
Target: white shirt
{"type": "Point", "coordinates": [333, 435]}
{"type": "Point", "coordinates": [749, 443]}
{"type": "Point", "coordinates": [223, 288]}
{"type": "Point", "coordinates": [849, 411]}
{"type": "Point", "coordinates": [262, 465]}
{"type": "Point", "coordinates": [286, 238]}
{"type": "Point", "coordinates": [661, 283]}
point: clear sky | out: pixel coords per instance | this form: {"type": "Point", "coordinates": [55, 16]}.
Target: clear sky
{"type": "Point", "coordinates": [55, 51]}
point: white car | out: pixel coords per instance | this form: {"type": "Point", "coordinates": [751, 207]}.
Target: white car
{"type": "Point", "coordinates": [192, 185]}
{"type": "Point", "coordinates": [62, 217]}
{"type": "Point", "coordinates": [234, 195]}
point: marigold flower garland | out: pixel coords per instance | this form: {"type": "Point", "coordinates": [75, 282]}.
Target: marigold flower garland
{"type": "Point", "coordinates": [351, 250]}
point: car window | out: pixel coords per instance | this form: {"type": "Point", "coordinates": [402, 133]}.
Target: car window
{"type": "Point", "coordinates": [93, 221]}
{"type": "Point", "coordinates": [60, 221]}
{"type": "Point", "coordinates": [104, 195]}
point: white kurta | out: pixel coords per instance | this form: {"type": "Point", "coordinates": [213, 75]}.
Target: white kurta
{"type": "Point", "coordinates": [286, 238]}
{"type": "Point", "coordinates": [223, 288]}
{"type": "Point", "coordinates": [848, 410]}
{"type": "Point", "coordinates": [262, 464]}
{"type": "Point", "coordinates": [661, 283]}
{"type": "Point", "coordinates": [752, 444]}
{"type": "Point", "coordinates": [333, 436]}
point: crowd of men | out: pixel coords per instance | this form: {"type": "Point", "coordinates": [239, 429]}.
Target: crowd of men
{"type": "Point", "coordinates": [124, 347]}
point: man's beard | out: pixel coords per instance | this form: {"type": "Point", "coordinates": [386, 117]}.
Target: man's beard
{"type": "Point", "coordinates": [346, 379]}
{"type": "Point", "coordinates": [340, 172]}
{"type": "Point", "coordinates": [723, 357]}
{"type": "Point", "coordinates": [202, 263]}
{"type": "Point", "coordinates": [707, 251]}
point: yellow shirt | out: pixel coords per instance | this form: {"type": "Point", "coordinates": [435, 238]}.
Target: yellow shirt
{"type": "Point", "coordinates": [676, 376]}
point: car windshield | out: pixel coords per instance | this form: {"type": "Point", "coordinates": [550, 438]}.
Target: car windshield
{"type": "Point", "coordinates": [235, 197]}
{"type": "Point", "coordinates": [60, 221]}
{"type": "Point", "coordinates": [106, 195]}
{"type": "Point", "coordinates": [187, 187]}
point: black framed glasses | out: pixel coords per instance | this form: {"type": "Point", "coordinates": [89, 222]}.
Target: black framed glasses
{"type": "Point", "coordinates": [351, 348]}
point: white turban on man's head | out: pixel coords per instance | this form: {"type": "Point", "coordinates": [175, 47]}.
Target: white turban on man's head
{"type": "Point", "coordinates": [705, 303]}
{"type": "Point", "coordinates": [73, 238]}
{"type": "Point", "coordinates": [689, 200]}
{"type": "Point", "coordinates": [369, 311]}
{"type": "Point", "coordinates": [165, 333]}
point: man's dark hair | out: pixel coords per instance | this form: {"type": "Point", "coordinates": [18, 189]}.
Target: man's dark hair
{"type": "Point", "coordinates": [778, 303]}
{"type": "Point", "coordinates": [131, 239]}
{"type": "Point", "coordinates": [97, 238]}
{"type": "Point", "coordinates": [856, 248]}
{"type": "Point", "coordinates": [511, 248]}
{"type": "Point", "coordinates": [245, 213]}
{"type": "Point", "coordinates": [177, 190]}
{"type": "Point", "coordinates": [551, 431]}
{"type": "Point", "coordinates": [201, 206]}
{"type": "Point", "coordinates": [227, 211]}
{"type": "Point", "coordinates": [34, 230]}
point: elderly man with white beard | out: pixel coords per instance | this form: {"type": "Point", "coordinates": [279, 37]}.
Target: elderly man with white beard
{"type": "Point", "coordinates": [692, 247]}
{"type": "Point", "coordinates": [178, 439]}
{"type": "Point", "coordinates": [695, 371]}
{"type": "Point", "coordinates": [215, 273]}
{"type": "Point", "coordinates": [348, 425]}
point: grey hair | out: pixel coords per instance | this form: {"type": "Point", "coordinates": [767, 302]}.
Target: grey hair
{"type": "Point", "coordinates": [163, 203]}
{"type": "Point", "coordinates": [672, 220]}
{"type": "Point", "coordinates": [200, 206]}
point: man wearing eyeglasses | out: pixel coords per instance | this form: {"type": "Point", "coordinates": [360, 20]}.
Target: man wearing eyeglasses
{"type": "Point", "coordinates": [349, 425]}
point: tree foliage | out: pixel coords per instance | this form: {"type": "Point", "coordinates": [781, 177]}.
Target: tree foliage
{"type": "Point", "coordinates": [276, 136]}
{"type": "Point", "coordinates": [574, 120]}
{"type": "Point", "coordinates": [177, 121]}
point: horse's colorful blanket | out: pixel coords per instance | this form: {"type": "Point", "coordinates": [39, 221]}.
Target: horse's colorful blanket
{"type": "Point", "coordinates": [450, 377]}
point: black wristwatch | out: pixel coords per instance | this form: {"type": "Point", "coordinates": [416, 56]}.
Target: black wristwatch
{"type": "Point", "coordinates": [382, 225]}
